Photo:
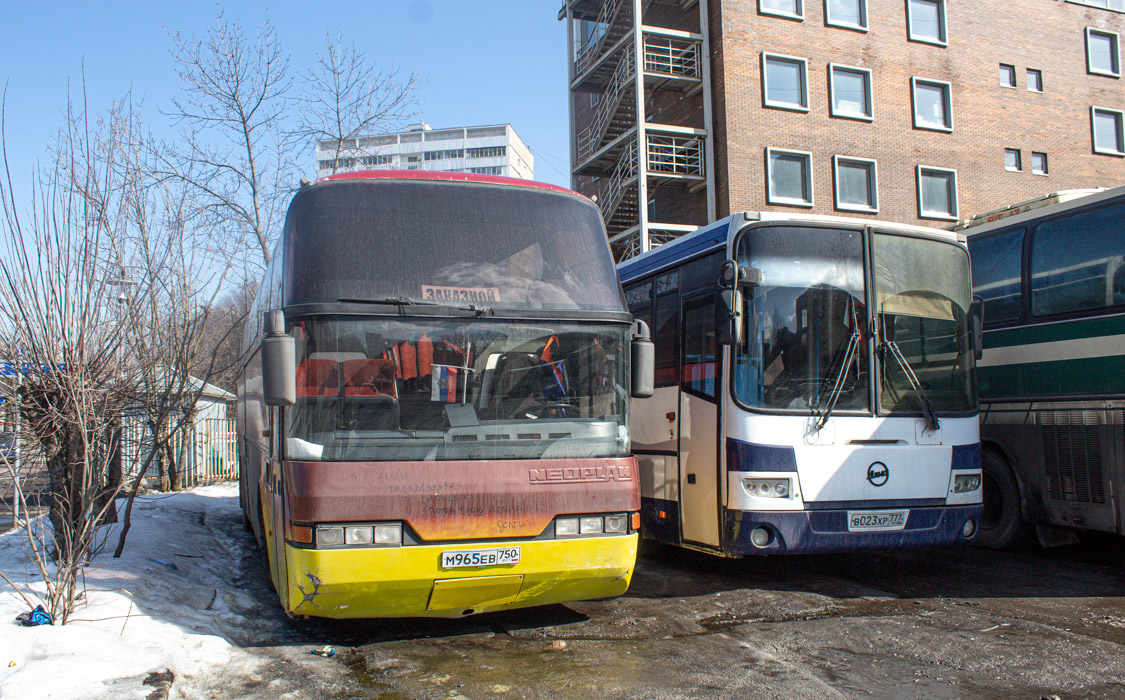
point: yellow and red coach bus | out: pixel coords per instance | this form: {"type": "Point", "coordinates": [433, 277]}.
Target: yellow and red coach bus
{"type": "Point", "coordinates": [433, 407]}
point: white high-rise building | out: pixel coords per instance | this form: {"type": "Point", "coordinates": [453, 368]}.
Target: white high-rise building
{"type": "Point", "coordinates": [486, 150]}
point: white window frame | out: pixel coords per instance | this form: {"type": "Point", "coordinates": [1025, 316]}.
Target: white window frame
{"type": "Point", "coordinates": [1019, 160]}
{"type": "Point", "coordinates": [766, 57]}
{"type": "Point", "coordinates": [1015, 81]}
{"type": "Point", "coordinates": [1046, 162]}
{"type": "Point", "coordinates": [944, 41]}
{"type": "Point", "coordinates": [862, 27]}
{"type": "Point", "coordinates": [832, 67]}
{"type": "Point", "coordinates": [1120, 131]}
{"type": "Point", "coordinates": [943, 216]}
{"type": "Point", "coordinates": [1116, 53]}
{"type": "Point", "coordinates": [800, 16]}
{"type": "Point", "coordinates": [873, 184]}
{"type": "Point", "coordinates": [948, 91]}
{"type": "Point", "coordinates": [1039, 74]}
{"type": "Point", "coordinates": [771, 198]}
{"type": "Point", "coordinates": [1087, 3]}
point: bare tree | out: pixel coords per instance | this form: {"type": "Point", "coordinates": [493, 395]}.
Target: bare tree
{"type": "Point", "coordinates": [344, 98]}
{"type": "Point", "coordinates": [103, 297]}
{"type": "Point", "coordinates": [232, 151]}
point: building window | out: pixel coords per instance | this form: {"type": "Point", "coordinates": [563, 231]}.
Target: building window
{"type": "Point", "coordinates": [1118, 5]}
{"type": "Point", "coordinates": [1038, 163]}
{"type": "Point", "coordinates": [784, 82]}
{"type": "Point", "coordinates": [1034, 80]}
{"type": "Point", "coordinates": [794, 9]}
{"type": "Point", "coordinates": [790, 178]}
{"type": "Point", "coordinates": [488, 170]}
{"type": "Point", "coordinates": [932, 107]}
{"type": "Point", "coordinates": [851, 14]}
{"type": "Point", "coordinates": [1108, 131]}
{"type": "Point", "coordinates": [926, 21]}
{"type": "Point", "coordinates": [856, 184]}
{"type": "Point", "coordinates": [1103, 53]}
{"type": "Point", "coordinates": [1012, 160]}
{"type": "Point", "coordinates": [444, 155]}
{"type": "Point", "coordinates": [486, 152]}
{"type": "Point", "coordinates": [937, 193]}
{"type": "Point", "coordinates": [851, 92]}
{"type": "Point", "coordinates": [1007, 75]}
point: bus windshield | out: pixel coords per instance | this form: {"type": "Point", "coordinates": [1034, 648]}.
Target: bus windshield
{"type": "Point", "coordinates": [449, 242]}
{"type": "Point", "coordinates": [803, 319]}
{"type": "Point", "coordinates": [406, 389]}
{"type": "Point", "coordinates": [922, 300]}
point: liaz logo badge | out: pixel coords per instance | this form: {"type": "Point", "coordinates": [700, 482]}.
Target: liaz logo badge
{"type": "Point", "coordinates": [878, 473]}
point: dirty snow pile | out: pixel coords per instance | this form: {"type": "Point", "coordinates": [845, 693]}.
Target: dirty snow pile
{"type": "Point", "coordinates": [162, 605]}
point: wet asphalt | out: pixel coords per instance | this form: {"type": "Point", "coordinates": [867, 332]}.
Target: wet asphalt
{"type": "Point", "coordinates": [949, 623]}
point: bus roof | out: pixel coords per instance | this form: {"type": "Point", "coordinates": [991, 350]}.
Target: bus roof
{"type": "Point", "coordinates": [446, 176]}
{"type": "Point", "coordinates": [715, 234]}
{"type": "Point", "coordinates": [1032, 209]}
{"type": "Point", "coordinates": [1046, 200]}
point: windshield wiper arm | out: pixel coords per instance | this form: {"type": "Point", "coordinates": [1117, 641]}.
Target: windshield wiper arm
{"type": "Point", "coordinates": [928, 412]}
{"type": "Point", "coordinates": [841, 375]}
{"type": "Point", "coordinates": [407, 301]}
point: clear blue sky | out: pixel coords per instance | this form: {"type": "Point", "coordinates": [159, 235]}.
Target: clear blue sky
{"type": "Point", "coordinates": [481, 61]}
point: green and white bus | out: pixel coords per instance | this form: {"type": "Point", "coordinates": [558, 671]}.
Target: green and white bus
{"type": "Point", "coordinates": [1051, 272]}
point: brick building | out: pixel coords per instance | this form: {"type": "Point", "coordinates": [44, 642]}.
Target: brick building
{"type": "Point", "coordinates": [917, 111]}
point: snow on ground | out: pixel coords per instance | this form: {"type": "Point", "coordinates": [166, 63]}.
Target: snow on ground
{"type": "Point", "coordinates": [172, 601]}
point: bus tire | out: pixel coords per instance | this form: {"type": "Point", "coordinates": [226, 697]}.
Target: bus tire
{"type": "Point", "coordinates": [1002, 525]}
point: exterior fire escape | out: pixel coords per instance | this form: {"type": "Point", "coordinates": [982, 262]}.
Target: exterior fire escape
{"type": "Point", "coordinates": [619, 156]}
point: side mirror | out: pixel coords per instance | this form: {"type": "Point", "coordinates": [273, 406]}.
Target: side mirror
{"type": "Point", "coordinates": [731, 276]}
{"type": "Point", "coordinates": [279, 366]}
{"type": "Point", "coordinates": [728, 317]}
{"type": "Point", "coordinates": [643, 362]}
{"type": "Point", "coordinates": [976, 313]}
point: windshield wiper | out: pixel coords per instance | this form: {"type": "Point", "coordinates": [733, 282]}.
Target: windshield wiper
{"type": "Point", "coordinates": [840, 372]}
{"type": "Point", "coordinates": [932, 423]}
{"type": "Point", "coordinates": [407, 301]}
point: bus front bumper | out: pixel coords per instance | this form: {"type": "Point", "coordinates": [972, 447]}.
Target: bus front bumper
{"type": "Point", "coordinates": [409, 581]}
{"type": "Point", "coordinates": [802, 532]}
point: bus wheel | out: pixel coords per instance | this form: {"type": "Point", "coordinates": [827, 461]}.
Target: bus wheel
{"type": "Point", "coordinates": [1002, 525]}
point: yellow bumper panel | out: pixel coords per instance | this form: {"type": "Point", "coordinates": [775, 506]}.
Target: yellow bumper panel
{"type": "Point", "coordinates": [409, 581]}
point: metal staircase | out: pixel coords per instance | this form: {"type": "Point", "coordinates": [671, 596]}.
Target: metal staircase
{"type": "Point", "coordinates": [622, 157]}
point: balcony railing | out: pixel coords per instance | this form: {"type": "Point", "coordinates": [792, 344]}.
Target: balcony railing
{"type": "Point", "coordinates": [672, 56]}
{"type": "Point", "coordinates": [675, 155]}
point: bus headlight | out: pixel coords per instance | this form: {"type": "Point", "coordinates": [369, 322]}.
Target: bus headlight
{"type": "Point", "coordinates": [358, 534]}
{"type": "Point", "coordinates": [388, 533]}
{"type": "Point", "coordinates": [767, 488]}
{"type": "Point", "coordinates": [566, 526]}
{"type": "Point", "coordinates": [590, 525]}
{"type": "Point", "coordinates": [332, 536]}
{"type": "Point", "coordinates": [963, 483]}
{"type": "Point", "coordinates": [616, 523]}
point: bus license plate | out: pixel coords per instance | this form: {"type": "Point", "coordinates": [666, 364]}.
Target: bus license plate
{"type": "Point", "coordinates": [458, 558]}
{"type": "Point", "coordinates": [876, 520]}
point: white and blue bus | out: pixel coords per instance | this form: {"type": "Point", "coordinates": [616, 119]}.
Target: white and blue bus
{"type": "Point", "coordinates": [815, 387]}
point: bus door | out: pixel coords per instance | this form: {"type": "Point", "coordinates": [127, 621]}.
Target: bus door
{"type": "Point", "coordinates": [700, 482]}
{"type": "Point", "coordinates": [275, 537]}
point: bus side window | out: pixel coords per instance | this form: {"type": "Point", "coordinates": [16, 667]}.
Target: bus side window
{"type": "Point", "coordinates": [1072, 261]}
{"type": "Point", "coordinates": [700, 352]}
{"type": "Point", "coordinates": [666, 331]}
{"type": "Point", "coordinates": [996, 275]}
